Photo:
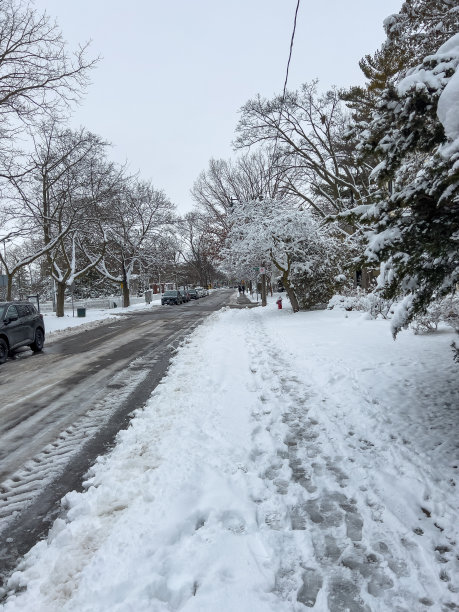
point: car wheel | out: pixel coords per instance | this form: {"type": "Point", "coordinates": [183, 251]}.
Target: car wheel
{"type": "Point", "coordinates": [37, 344]}
{"type": "Point", "coordinates": [3, 351]}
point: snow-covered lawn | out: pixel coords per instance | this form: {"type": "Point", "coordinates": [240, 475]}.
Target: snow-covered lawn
{"type": "Point", "coordinates": [286, 462]}
{"type": "Point", "coordinates": [93, 316]}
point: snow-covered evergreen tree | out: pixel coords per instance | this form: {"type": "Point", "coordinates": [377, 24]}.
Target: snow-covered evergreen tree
{"type": "Point", "coordinates": [415, 130]}
{"type": "Point", "coordinates": [420, 27]}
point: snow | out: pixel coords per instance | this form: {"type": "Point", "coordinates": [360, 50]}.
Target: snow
{"type": "Point", "coordinates": [446, 59]}
{"type": "Point", "coordinates": [286, 461]}
{"type": "Point", "coordinates": [448, 109]}
{"type": "Point", "coordinates": [93, 316]}
{"type": "Point", "coordinates": [420, 79]}
{"type": "Point", "coordinates": [448, 104]}
{"type": "Point", "coordinates": [450, 47]}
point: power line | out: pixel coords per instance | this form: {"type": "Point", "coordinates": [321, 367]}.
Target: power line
{"type": "Point", "coordinates": [291, 49]}
{"type": "Point", "coordinates": [285, 84]}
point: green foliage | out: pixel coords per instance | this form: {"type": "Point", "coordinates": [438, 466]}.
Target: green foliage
{"type": "Point", "coordinates": [381, 67]}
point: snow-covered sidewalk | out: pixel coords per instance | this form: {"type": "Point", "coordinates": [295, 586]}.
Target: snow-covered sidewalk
{"type": "Point", "coordinates": [286, 462]}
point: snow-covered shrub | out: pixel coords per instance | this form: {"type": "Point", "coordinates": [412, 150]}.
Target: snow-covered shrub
{"type": "Point", "coordinates": [345, 302]}
{"type": "Point", "coordinates": [313, 275]}
{"type": "Point", "coordinates": [312, 291]}
{"type": "Point", "coordinates": [440, 311]}
{"type": "Point", "coordinates": [358, 300]}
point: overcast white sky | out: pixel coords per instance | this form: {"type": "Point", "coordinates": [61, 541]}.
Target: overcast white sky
{"type": "Point", "coordinates": [174, 74]}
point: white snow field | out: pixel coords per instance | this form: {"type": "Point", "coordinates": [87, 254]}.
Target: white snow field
{"type": "Point", "coordinates": [286, 462]}
{"type": "Point", "coordinates": [55, 326]}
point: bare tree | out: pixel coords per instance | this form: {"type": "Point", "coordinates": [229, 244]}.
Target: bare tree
{"type": "Point", "coordinates": [138, 215]}
{"type": "Point", "coordinates": [253, 176]}
{"type": "Point", "coordinates": [82, 248]}
{"type": "Point", "coordinates": [318, 162]}
{"type": "Point", "coordinates": [200, 248]}
{"type": "Point", "coordinates": [39, 79]}
{"type": "Point", "coordinates": [37, 74]}
{"type": "Point", "coordinates": [56, 200]}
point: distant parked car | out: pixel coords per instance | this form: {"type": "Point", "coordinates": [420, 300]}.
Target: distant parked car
{"type": "Point", "coordinates": [193, 294]}
{"type": "Point", "coordinates": [20, 325]}
{"type": "Point", "coordinates": [171, 297]}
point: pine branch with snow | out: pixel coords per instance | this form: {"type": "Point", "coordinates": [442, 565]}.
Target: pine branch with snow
{"type": "Point", "coordinates": [415, 233]}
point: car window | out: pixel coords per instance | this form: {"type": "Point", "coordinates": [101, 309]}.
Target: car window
{"type": "Point", "coordinates": [2, 311]}
{"type": "Point", "coordinates": [22, 310]}
{"type": "Point", "coordinates": [12, 311]}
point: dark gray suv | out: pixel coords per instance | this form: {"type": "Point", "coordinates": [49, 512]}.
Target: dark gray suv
{"type": "Point", "coordinates": [20, 325]}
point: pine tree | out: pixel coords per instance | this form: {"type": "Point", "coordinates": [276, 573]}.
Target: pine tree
{"type": "Point", "coordinates": [413, 215]}
{"type": "Point", "coordinates": [416, 229]}
{"type": "Point", "coordinates": [421, 27]}
{"type": "Point", "coordinates": [417, 30]}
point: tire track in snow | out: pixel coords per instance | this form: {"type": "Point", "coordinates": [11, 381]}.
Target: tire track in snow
{"type": "Point", "coordinates": [19, 490]}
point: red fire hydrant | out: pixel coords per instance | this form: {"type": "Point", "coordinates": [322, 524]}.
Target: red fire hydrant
{"type": "Point", "coordinates": [279, 303]}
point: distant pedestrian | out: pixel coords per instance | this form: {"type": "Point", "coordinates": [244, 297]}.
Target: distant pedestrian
{"type": "Point", "coordinates": [240, 289]}
{"type": "Point", "coordinates": [243, 289]}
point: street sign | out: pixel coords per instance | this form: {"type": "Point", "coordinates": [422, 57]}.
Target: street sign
{"type": "Point", "coordinates": [262, 270]}
{"type": "Point", "coordinates": [256, 269]}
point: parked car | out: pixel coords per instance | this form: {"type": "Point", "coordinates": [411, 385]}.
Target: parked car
{"type": "Point", "coordinates": [20, 325]}
{"type": "Point", "coordinates": [171, 297]}
{"type": "Point", "coordinates": [185, 295]}
{"type": "Point", "coordinates": [193, 294]}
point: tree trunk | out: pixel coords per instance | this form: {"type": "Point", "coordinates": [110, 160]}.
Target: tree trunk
{"type": "Point", "coordinates": [60, 298]}
{"type": "Point", "coordinates": [126, 296]}
{"type": "Point", "coordinates": [286, 282]}
{"type": "Point", "coordinates": [9, 288]}
{"type": "Point", "coordinates": [290, 293]}
{"type": "Point", "coordinates": [263, 289]}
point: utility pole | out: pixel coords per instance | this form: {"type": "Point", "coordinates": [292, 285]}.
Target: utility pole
{"type": "Point", "coordinates": [263, 284]}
